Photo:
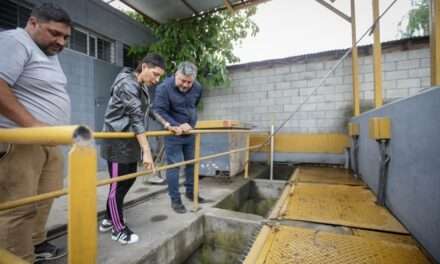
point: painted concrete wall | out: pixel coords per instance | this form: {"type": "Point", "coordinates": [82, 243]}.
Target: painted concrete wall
{"type": "Point", "coordinates": [267, 92]}
{"type": "Point", "coordinates": [413, 186]}
{"type": "Point", "coordinates": [89, 82]}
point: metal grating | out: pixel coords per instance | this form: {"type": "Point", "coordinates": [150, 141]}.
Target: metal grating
{"type": "Point", "coordinates": [327, 175]}
{"type": "Point", "coordinates": [287, 245]}
{"type": "Point", "coordinates": [352, 206]}
{"type": "Point", "coordinates": [396, 238]}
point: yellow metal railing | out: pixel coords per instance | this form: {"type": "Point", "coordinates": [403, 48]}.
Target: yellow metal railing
{"type": "Point", "coordinates": [82, 160]}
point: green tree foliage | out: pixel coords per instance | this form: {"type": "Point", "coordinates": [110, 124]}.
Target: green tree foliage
{"type": "Point", "coordinates": [206, 40]}
{"type": "Point", "coordinates": [418, 20]}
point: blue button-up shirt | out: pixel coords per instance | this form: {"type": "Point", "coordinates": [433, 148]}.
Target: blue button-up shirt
{"type": "Point", "coordinates": [175, 106]}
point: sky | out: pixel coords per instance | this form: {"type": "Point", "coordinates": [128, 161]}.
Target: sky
{"type": "Point", "coordinates": [297, 27]}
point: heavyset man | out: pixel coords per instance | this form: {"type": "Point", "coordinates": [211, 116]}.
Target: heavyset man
{"type": "Point", "coordinates": [32, 93]}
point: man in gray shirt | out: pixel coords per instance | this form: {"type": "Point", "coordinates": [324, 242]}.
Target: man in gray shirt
{"type": "Point", "coordinates": [32, 93]}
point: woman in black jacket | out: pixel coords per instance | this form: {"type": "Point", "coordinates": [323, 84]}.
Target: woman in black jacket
{"type": "Point", "coordinates": [127, 111]}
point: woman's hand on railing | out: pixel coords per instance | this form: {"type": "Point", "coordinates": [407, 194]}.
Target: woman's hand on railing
{"type": "Point", "coordinates": [148, 162]}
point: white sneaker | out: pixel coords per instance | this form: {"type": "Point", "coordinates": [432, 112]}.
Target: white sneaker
{"type": "Point", "coordinates": [125, 236]}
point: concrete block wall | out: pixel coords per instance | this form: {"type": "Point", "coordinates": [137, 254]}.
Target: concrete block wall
{"type": "Point", "coordinates": [264, 92]}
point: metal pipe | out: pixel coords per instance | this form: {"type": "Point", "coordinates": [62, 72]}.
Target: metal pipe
{"type": "Point", "coordinates": [377, 58]}
{"type": "Point", "coordinates": [272, 141]}
{"type": "Point", "coordinates": [54, 135]}
{"type": "Point", "coordinates": [246, 157]}
{"type": "Point", "coordinates": [32, 199]}
{"type": "Point", "coordinates": [196, 173]}
{"type": "Point", "coordinates": [7, 257]}
{"type": "Point", "coordinates": [257, 247]}
{"type": "Point", "coordinates": [81, 229]}
{"type": "Point", "coordinates": [119, 135]}
{"type": "Point", "coordinates": [354, 62]}
{"type": "Point", "coordinates": [434, 40]}
{"type": "Point", "coordinates": [347, 164]}
{"type": "Point", "coordinates": [166, 167]}
{"type": "Point", "coordinates": [55, 194]}
{"type": "Point", "coordinates": [356, 156]}
{"type": "Point", "coordinates": [383, 172]}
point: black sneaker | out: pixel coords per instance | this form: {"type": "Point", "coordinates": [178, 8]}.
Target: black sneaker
{"type": "Point", "coordinates": [47, 251]}
{"type": "Point", "coordinates": [178, 207]}
{"type": "Point", "coordinates": [190, 197]}
{"type": "Point", "coordinates": [125, 236]}
{"type": "Point", "coordinates": [105, 225]}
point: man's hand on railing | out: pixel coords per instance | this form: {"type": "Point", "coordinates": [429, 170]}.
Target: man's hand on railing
{"type": "Point", "coordinates": [176, 130]}
{"type": "Point", "coordinates": [185, 127]}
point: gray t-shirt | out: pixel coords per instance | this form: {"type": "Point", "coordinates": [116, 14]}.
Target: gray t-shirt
{"type": "Point", "coordinates": [36, 79]}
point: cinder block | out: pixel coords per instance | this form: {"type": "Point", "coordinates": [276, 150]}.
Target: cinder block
{"type": "Point", "coordinates": [396, 75]}
{"type": "Point", "coordinates": [408, 64]}
{"type": "Point", "coordinates": [299, 84]}
{"type": "Point", "coordinates": [419, 53]}
{"type": "Point", "coordinates": [408, 83]}
{"type": "Point", "coordinates": [282, 85]}
{"type": "Point", "coordinates": [420, 72]}
{"type": "Point", "coordinates": [298, 68]}
{"type": "Point", "coordinates": [315, 66]}
{"type": "Point", "coordinates": [395, 56]}
{"type": "Point", "coordinates": [282, 70]}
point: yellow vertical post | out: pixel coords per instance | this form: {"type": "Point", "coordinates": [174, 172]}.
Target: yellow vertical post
{"type": "Point", "coordinates": [355, 64]}
{"type": "Point", "coordinates": [82, 236]}
{"type": "Point", "coordinates": [196, 172]}
{"type": "Point", "coordinates": [246, 157]}
{"type": "Point", "coordinates": [435, 42]}
{"type": "Point", "coordinates": [377, 54]}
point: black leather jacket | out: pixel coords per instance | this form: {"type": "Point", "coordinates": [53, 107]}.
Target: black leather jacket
{"type": "Point", "coordinates": [127, 111]}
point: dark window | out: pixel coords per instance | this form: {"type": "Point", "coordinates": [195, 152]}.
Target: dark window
{"type": "Point", "coordinates": [129, 60]}
{"type": "Point", "coordinates": [23, 16]}
{"type": "Point", "coordinates": [92, 46]}
{"type": "Point", "coordinates": [104, 50]}
{"type": "Point", "coordinates": [13, 15]}
{"type": "Point", "coordinates": [78, 41]}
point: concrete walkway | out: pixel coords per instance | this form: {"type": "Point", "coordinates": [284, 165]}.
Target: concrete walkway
{"type": "Point", "coordinates": [159, 227]}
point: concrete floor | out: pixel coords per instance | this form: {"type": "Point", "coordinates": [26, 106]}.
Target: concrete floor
{"type": "Point", "coordinates": [165, 236]}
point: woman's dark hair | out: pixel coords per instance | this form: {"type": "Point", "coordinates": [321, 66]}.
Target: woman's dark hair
{"type": "Point", "coordinates": [152, 60]}
{"type": "Point", "coordinates": [50, 12]}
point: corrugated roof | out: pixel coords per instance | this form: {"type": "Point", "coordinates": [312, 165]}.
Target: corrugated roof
{"type": "Point", "coordinates": [163, 11]}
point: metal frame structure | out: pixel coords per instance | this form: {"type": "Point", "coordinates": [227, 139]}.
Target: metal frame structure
{"type": "Point", "coordinates": [227, 4]}
{"type": "Point", "coordinates": [82, 160]}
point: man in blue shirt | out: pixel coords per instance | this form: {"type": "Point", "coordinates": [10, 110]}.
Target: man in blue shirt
{"type": "Point", "coordinates": [176, 101]}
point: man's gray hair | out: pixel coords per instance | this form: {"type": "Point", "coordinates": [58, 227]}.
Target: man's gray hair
{"type": "Point", "coordinates": [187, 68]}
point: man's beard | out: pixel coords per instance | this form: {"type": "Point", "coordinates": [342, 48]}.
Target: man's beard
{"type": "Point", "coordinates": [48, 51]}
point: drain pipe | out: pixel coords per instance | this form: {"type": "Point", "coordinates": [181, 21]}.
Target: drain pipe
{"type": "Point", "coordinates": [353, 131]}
{"type": "Point", "coordinates": [347, 163]}
{"type": "Point", "coordinates": [380, 131]}
{"type": "Point", "coordinates": [356, 156]}
{"type": "Point", "coordinates": [272, 141]}
{"type": "Point", "coordinates": [383, 170]}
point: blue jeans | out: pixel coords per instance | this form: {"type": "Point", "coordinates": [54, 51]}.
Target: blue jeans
{"type": "Point", "coordinates": [178, 149]}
